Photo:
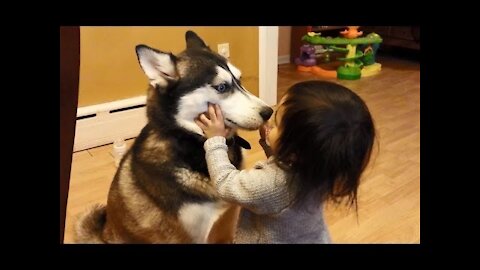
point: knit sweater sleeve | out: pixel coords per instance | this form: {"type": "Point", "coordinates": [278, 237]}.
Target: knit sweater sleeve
{"type": "Point", "coordinates": [261, 190]}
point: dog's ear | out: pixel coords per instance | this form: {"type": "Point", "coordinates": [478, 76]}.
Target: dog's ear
{"type": "Point", "coordinates": [193, 40]}
{"type": "Point", "coordinates": [158, 66]}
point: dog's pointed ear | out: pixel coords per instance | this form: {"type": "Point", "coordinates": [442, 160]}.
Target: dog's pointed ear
{"type": "Point", "coordinates": [193, 40]}
{"type": "Point", "coordinates": [158, 66]}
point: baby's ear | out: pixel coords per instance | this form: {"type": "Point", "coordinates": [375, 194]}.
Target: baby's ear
{"type": "Point", "coordinates": [157, 65]}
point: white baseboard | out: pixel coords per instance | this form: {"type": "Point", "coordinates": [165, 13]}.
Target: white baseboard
{"type": "Point", "coordinates": [106, 126]}
{"type": "Point", "coordinates": [284, 59]}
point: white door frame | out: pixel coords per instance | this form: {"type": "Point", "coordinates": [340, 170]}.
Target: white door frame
{"type": "Point", "coordinates": [268, 63]}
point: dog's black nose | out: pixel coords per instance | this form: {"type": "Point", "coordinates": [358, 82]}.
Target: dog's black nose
{"type": "Point", "coordinates": [266, 113]}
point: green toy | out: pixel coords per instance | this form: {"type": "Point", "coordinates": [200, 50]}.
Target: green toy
{"type": "Point", "coordinates": [357, 63]}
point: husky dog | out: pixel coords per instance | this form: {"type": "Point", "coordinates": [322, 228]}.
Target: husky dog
{"type": "Point", "coordinates": [161, 192]}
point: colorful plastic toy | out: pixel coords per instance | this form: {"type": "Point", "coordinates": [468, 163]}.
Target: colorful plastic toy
{"type": "Point", "coordinates": [358, 64]}
{"type": "Point", "coordinates": [307, 56]}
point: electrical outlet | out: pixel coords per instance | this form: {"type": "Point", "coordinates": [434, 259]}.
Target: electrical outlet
{"type": "Point", "coordinates": [224, 50]}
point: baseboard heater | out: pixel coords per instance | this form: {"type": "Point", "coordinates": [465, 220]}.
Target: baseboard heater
{"type": "Point", "coordinates": [104, 123]}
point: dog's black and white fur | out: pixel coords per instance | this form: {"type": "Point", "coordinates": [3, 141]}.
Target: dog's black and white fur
{"type": "Point", "coordinates": [161, 192]}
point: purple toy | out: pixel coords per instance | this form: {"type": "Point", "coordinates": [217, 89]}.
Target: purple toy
{"type": "Point", "coordinates": [307, 56]}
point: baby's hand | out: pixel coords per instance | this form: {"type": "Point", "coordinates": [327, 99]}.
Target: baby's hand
{"type": "Point", "coordinates": [213, 125]}
{"type": "Point", "coordinates": [264, 131]}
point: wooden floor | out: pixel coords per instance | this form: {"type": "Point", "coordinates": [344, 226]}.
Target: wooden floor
{"type": "Point", "coordinates": [389, 196]}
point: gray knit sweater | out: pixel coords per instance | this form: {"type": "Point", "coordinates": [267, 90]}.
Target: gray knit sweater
{"type": "Point", "coordinates": [267, 214]}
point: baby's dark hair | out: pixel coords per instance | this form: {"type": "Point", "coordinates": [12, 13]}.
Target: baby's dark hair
{"type": "Point", "coordinates": [326, 139]}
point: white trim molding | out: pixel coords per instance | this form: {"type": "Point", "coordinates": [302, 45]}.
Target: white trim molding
{"type": "Point", "coordinates": [284, 59]}
{"type": "Point", "coordinates": [268, 63]}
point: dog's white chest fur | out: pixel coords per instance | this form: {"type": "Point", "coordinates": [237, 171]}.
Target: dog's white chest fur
{"type": "Point", "coordinates": [198, 219]}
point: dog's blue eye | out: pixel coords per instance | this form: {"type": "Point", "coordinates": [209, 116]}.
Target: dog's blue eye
{"type": "Point", "coordinates": [222, 87]}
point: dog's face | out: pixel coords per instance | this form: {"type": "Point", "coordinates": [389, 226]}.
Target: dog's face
{"type": "Point", "coordinates": [199, 76]}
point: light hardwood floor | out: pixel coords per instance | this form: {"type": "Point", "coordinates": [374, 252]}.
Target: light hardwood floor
{"type": "Point", "coordinates": [389, 196]}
